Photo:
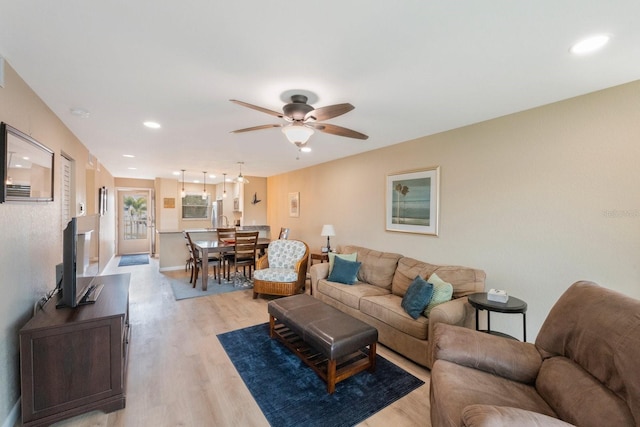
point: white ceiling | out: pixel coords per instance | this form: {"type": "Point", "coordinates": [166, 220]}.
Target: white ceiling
{"type": "Point", "coordinates": [411, 68]}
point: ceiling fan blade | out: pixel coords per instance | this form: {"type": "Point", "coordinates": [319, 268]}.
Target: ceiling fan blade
{"type": "Point", "coordinates": [337, 130]}
{"type": "Point", "coordinates": [255, 107]}
{"type": "Point", "coordinates": [329, 112]}
{"type": "Point", "coordinates": [256, 128]}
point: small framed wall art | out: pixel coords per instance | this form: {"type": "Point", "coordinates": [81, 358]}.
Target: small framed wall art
{"type": "Point", "coordinates": [294, 204]}
{"type": "Point", "coordinates": [413, 201]}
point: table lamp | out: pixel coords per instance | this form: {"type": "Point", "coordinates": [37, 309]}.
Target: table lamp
{"type": "Point", "coordinates": [327, 230]}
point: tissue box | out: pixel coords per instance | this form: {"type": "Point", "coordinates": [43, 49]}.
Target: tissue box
{"type": "Point", "coordinates": [497, 295]}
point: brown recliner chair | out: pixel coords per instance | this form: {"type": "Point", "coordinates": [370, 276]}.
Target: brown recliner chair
{"type": "Point", "coordinates": [584, 368]}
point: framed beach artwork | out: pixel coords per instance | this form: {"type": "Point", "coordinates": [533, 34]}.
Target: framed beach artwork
{"type": "Point", "coordinates": [413, 201]}
{"type": "Point", "coordinates": [294, 204]}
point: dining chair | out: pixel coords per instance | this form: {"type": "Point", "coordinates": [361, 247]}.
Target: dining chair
{"type": "Point", "coordinates": [284, 233]}
{"type": "Point", "coordinates": [245, 252]}
{"type": "Point", "coordinates": [224, 258]}
{"type": "Point", "coordinates": [188, 265]}
{"type": "Point", "coordinates": [197, 260]}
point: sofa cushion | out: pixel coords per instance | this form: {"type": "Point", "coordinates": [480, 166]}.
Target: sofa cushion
{"type": "Point", "coordinates": [408, 269]}
{"type": "Point", "coordinates": [460, 386]}
{"type": "Point", "coordinates": [344, 271]}
{"type": "Point", "coordinates": [417, 297]}
{"type": "Point", "coordinates": [348, 257]}
{"type": "Point", "coordinates": [276, 275]}
{"type": "Point", "coordinates": [348, 295]}
{"type": "Point", "coordinates": [579, 398]}
{"type": "Point", "coordinates": [377, 267]}
{"type": "Point", "coordinates": [442, 292]}
{"type": "Point", "coordinates": [285, 253]}
{"type": "Point", "coordinates": [465, 280]}
{"type": "Point", "coordinates": [503, 416]}
{"type": "Point", "coordinates": [387, 309]}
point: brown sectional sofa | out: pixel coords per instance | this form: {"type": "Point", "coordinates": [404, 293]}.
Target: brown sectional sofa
{"type": "Point", "coordinates": [383, 279]}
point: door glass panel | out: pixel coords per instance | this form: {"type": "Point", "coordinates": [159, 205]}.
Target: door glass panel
{"type": "Point", "coordinates": [134, 217]}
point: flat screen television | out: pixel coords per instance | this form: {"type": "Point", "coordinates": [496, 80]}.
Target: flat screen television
{"type": "Point", "coordinates": [75, 288]}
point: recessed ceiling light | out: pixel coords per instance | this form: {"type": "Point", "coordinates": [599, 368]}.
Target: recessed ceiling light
{"type": "Point", "coordinates": [306, 149]}
{"type": "Point", "coordinates": [152, 125]}
{"type": "Point", "coordinates": [177, 173]}
{"type": "Point", "coordinates": [212, 176]}
{"type": "Point", "coordinates": [130, 156]}
{"type": "Point", "coordinates": [80, 112]}
{"type": "Point", "coordinates": [132, 169]}
{"type": "Point", "coordinates": [590, 44]}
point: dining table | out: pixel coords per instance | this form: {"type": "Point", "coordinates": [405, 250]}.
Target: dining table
{"type": "Point", "coordinates": [206, 247]}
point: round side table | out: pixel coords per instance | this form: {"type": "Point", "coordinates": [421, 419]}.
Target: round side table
{"type": "Point", "coordinates": [513, 305]}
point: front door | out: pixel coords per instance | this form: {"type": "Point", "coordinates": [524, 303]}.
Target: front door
{"type": "Point", "coordinates": [134, 228]}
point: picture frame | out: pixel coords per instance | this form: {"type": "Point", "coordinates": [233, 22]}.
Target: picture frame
{"type": "Point", "coordinates": [294, 204]}
{"type": "Point", "coordinates": [413, 201]}
{"type": "Point", "coordinates": [26, 167]}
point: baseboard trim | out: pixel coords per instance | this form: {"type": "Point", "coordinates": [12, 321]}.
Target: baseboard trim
{"type": "Point", "coordinates": [173, 268]}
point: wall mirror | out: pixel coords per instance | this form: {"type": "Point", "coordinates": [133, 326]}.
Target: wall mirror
{"type": "Point", "coordinates": [27, 167]}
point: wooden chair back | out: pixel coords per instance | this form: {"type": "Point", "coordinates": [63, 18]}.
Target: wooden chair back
{"type": "Point", "coordinates": [246, 247]}
{"type": "Point", "coordinates": [284, 233]}
{"type": "Point", "coordinates": [226, 233]}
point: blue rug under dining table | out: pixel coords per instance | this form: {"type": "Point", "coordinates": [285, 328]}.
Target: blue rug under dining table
{"type": "Point", "coordinates": [289, 393]}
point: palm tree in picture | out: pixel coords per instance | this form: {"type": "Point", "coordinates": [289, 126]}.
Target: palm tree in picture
{"type": "Point", "coordinates": [402, 191]}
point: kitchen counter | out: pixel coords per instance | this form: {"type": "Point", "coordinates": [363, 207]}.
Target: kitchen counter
{"type": "Point", "coordinates": [171, 246]}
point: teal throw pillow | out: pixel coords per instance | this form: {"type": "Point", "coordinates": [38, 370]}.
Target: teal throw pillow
{"type": "Point", "coordinates": [348, 257]}
{"type": "Point", "coordinates": [417, 297]}
{"type": "Point", "coordinates": [442, 292]}
{"type": "Point", "coordinates": [344, 271]}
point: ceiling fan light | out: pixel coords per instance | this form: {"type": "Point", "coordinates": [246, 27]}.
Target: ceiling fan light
{"type": "Point", "coordinates": [297, 133]}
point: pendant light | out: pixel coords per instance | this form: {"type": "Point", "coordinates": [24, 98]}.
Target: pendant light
{"type": "Point", "coordinates": [182, 193]}
{"type": "Point", "coordinates": [241, 179]}
{"type": "Point", "coordinates": [204, 186]}
{"type": "Point", "coordinates": [224, 185]}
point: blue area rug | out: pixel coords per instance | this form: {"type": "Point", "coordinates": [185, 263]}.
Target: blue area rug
{"type": "Point", "coordinates": [129, 260]}
{"type": "Point", "coordinates": [182, 289]}
{"type": "Point", "coordinates": [291, 394]}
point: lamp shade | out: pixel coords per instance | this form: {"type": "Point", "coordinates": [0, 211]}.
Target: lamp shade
{"type": "Point", "coordinates": [297, 133]}
{"type": "Point", "coordinates": [327, 230]}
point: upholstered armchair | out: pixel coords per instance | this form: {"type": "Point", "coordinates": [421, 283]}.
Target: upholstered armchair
{"type": "Point", "coordinates": [582, 370]}
{"type": "Point", "coordinates": [282, 270]}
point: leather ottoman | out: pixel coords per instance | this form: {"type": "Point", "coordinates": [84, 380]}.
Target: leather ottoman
{"type": "Point", "coordinates": [334, 344]}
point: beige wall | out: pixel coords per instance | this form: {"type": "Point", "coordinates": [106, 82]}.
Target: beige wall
{"type": "Point", "coordinates": [31, 237]}
{"type": "Point", "coordinates": [538, 199]}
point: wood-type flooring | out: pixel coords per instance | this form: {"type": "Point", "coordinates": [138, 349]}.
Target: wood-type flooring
{"type": "Point", "coordinates": [179, 374]}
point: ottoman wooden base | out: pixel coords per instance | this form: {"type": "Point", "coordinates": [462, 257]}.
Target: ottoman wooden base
{"type": "Point", "coordinates": [332, 365]}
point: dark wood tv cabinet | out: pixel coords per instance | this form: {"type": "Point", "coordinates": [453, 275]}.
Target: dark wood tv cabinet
{"type": "Point", "coordinates": [74, 361]}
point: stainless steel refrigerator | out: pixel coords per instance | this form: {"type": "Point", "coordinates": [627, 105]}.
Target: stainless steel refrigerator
{"type": "Point", "coordinates": [217, 217]}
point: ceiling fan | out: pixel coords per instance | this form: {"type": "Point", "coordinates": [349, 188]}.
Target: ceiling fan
{"type": "Point", "coordinates": [302, 119]}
